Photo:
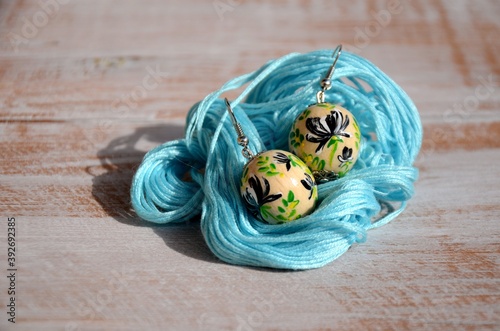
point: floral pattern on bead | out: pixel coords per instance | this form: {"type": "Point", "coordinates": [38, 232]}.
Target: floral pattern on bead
{"type": "Point", "coordinates": [315, 161]}
{"type": "Point", "coordinates": [323, 129]}
{"type": "Point", "coordinates": [289, 160]}
{"type": "Point", "coordinates": [278, 187]}
{"type": "Point", "coordinates": [308, 183]}
{"type": "Point", "coordinates": [266, 165]}
{"type": "Point", "coordinates": [288, 208]}
{"type": "Point", "coordinates": [327, 130]}
{"type": "Point", "coordinates": [282, 158]}
{"type": "Point", "coordinates": [346, 156]}
{"type": "Point", "coordinates": [345, 160]}
{"type": "Point", "coordinates": [260, 195]}
{"type": "Point", "coordinates": [296, 138]}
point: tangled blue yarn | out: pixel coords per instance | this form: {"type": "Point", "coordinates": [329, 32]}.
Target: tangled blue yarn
{"type": "Point", "coordinates": [373, 193]}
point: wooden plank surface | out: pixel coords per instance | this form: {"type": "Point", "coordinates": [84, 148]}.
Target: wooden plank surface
{"type": "Point", "coordinates": [69, 148]}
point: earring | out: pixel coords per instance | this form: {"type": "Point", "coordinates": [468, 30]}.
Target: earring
{"type": "Point", "coordinates": [276, 186]}
{"type": "Point", "coordinates": [326, 136]}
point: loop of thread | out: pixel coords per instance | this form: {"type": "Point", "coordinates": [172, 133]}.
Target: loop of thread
{"type": "Point", "coordinates": [200, 174]}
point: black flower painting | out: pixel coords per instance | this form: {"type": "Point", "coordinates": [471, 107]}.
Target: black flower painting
{"type": "Point", "coordinates": [322, 129]}
{"type": "Point", "coordinates": [283, 158]}
{"type": "Point", "coordinates": [308, 184]}
{"type": "Point", "coordinates": [345, 156]}
{"type": "Point", "coordinates": [261, 194]}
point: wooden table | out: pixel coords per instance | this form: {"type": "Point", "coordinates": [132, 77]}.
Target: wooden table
{"type": "Point", "coordinates": [75, 124]}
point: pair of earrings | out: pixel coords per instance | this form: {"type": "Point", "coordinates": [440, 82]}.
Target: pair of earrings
{"type": "Point", "coordinates": [278, 186]}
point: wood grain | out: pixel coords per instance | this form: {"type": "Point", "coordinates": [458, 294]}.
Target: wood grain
{"type": "Point", "coordinates": [74, 126]}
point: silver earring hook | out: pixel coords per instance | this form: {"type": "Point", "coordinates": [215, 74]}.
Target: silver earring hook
{"type": "Point", "coordinates": [242, 138]}
{"type": "Point", "coordinates": [326, 83]}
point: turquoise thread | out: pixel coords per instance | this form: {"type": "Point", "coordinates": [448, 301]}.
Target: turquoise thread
{"type": "Point", "coordinates": [370, 195]}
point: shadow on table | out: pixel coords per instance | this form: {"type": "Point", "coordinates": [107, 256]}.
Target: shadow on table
{"type": "Point", "coordinates": [120, 159]}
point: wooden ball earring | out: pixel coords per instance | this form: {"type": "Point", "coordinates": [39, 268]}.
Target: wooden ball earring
{"type": "Point", "coordinates": [326, 136]}
{"type": "Point", "coordinates": [276, 186]}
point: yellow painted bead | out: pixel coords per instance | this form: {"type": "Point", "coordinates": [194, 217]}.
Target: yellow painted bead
{"type": "Point", "coordinates": [327, 138]}
{"type": "Point", "coordinates": [278, 187]}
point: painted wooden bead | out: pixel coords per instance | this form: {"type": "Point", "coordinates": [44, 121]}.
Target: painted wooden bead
{"type": "Point", "coordinates": [278, 187]}
{"type": "Point", "coordinates": [327, 138]}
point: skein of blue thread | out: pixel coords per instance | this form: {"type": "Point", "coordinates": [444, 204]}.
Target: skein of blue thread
{"type": "Point", "coordinates": [370, 195]}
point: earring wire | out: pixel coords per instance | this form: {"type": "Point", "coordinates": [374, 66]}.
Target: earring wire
{"type": "Point", "coordinates": [326, 83]}
{"type": "Point", "coordinates": [242, 138]}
